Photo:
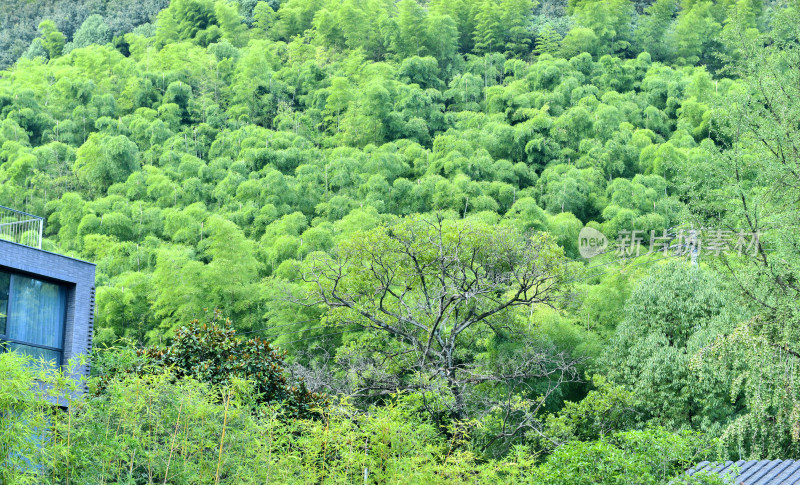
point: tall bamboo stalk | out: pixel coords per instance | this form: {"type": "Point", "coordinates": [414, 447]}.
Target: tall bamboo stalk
{"type": "Point", "coordinates": [222, 438]}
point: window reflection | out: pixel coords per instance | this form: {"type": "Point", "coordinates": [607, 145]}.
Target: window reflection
{"type": "Point", "coordinates": [32, 316]}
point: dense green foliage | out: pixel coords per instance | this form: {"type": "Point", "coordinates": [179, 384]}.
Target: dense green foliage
{"type": "Point", "coordinates": [77, 20]}
{"type": "Point", "coordinates": [210, 353]}
{"type": "Point", "coordinates": [393, 192]}
{"type": "Point", "coordinates": [152, 429]}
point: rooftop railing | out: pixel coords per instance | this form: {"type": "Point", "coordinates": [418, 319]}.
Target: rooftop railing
{"type": "Point", "coordinates": [21, 227]}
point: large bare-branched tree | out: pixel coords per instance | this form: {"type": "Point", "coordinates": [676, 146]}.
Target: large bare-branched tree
{"type": "Point", "coordinates": [448, 300]}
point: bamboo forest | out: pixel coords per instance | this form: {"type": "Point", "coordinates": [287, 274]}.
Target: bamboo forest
{"type": "Point", "coordinates": [407, 241]}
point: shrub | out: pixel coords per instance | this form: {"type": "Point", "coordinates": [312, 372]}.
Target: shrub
{"type": "Point", "coordinates": [211, 353]}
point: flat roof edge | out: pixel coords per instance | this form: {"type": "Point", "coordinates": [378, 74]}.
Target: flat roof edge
{"type": "Point", "coordinates": [48, 252]}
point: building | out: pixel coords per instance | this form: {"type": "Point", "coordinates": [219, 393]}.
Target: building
{"type": "Point", "coordinates": [46, 299]}
{"type": "Point", "coordinates": [764, 472]}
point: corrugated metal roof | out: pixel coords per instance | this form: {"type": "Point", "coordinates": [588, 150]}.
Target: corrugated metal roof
{"type": "Point", "coordinates": [764, 472]}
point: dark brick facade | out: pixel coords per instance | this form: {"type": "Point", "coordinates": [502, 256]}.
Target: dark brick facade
{"type": "Point", "coordinates": [76, 275]}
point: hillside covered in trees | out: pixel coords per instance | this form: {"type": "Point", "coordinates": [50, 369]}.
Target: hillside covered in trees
{"type": "Point", "coordinates": [392, 192]}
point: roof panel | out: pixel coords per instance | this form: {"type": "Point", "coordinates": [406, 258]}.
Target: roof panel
{"type": "Point", "coordinates": [754, 472]}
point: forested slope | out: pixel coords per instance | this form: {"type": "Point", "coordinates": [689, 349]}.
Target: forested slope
{"type": "Point", "coordinates": [212, 158]}
{"type": "Point", "coordinates": [210, 132]}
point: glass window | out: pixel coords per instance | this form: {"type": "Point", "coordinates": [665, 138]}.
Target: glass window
{"type": "Point", "coordinates": [37, 353]}
{"type": "Point", "coordinates": [32, 316]}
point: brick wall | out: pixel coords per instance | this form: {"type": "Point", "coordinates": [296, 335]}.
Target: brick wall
{"type": "Point", "coordinates": [76, 275]}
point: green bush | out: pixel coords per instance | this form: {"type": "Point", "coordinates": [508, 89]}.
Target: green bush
{"type": "Point", "coordinates": [211, 353]}
{"type": "Point", "coordinates": [157, 428]}
{"type": "Point", "coordinates": [34, 432]}
{"type": "Point", "coordinates": [631, 458]}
